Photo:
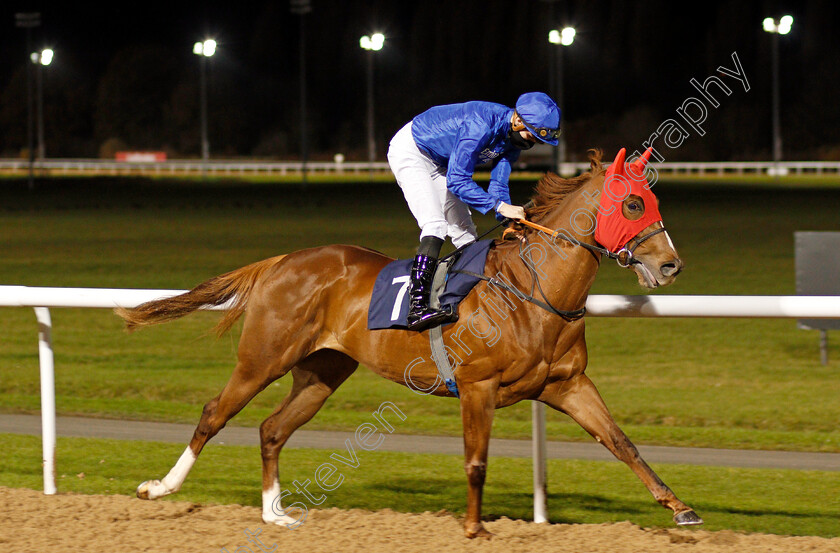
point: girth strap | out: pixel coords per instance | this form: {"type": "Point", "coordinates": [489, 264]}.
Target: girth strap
{"type": "Point", "coordinates": [439, 355]}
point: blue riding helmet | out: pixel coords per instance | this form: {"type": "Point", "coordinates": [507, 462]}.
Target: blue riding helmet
{"type": "Point", "coordinates": [540, 115]}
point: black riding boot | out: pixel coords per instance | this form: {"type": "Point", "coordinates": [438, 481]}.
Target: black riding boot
{"type": "Point", "coordinates": [420, 315]}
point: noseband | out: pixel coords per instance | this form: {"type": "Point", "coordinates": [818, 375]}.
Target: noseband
{"type": "Point", "coordinates": [631, 246]}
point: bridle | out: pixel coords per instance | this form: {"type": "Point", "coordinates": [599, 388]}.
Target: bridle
{"type": "Point", "coordinates": [627, 252]}
{"type": "Point", "coordinates": [629, 249]}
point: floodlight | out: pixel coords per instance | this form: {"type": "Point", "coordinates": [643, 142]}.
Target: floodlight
{"type": "Point", "coordinates": [567, 36]}
{"type": "Point", "coordinates": [206, 48]}
{"type": "Point", "coordinates": [785, 25]}
{"type": "Point", "coordinates": [377, 41]}
{"type": "Point", "coordinates": [209, 47]}
{"type": "Point", "coordinates": [373, 42]}
{"type": "Point", "coordinates": [44, 57]}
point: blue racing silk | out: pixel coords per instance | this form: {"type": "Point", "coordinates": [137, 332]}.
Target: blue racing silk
{"type": "Point", "coordinates": [461, 136]}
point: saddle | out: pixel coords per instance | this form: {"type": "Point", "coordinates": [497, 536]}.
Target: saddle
{"type": "Point", "coordinates": [454, 279]}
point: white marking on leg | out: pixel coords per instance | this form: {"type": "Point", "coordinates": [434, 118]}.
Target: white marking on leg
{"type": "Point", "coordinates": [171, 483]}
{"type": "Point", "coordinates": [273, 511]}
{"type": "Point", "coordinates": [268, 497]}
{"type": "Point", "coordinates": [179, 472]}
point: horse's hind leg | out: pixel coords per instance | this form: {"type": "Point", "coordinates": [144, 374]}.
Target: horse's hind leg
{"type": "Point", "coordinates": [315, 379]}
{"type": "Point", "coordinates": [245, 382]}
{"type": "Point", "coordinates": [579, 399]}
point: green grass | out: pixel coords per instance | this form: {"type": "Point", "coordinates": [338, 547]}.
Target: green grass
{"type": "Point", "coordinates": [828, 180]}
{"type": "Point", "coordinates": [746, 500]}
{"type": "Point", "coordinates": [706, 382]}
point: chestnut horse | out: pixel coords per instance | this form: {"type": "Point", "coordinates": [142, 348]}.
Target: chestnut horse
{"type": "Point", "coordinates": [306, 313]}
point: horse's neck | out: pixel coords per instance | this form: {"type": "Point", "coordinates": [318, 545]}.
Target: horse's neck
{"type": "Point", "coordinates": [571, 277]}
{"type": "Point", "coordinates": [575, 217]}
{"type": "Point", "coordinates": [566, 271]}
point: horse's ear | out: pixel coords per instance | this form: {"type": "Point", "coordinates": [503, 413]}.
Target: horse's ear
{"type": "Point", "coordinates": [638, 166]}
{"type": "Point", "coordinates": [618, 163]}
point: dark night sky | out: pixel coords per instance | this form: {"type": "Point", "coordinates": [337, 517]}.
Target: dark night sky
{"type": "Point", "coordinates": [126, 70]}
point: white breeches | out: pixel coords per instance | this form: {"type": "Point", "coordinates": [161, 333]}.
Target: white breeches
{"type": "Point", "coordinates": [438, 211]}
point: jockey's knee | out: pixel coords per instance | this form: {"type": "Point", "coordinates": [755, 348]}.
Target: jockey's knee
{"type": "Point", "coordinates": [462, 233]}
{"type": "Point", "coordinates": [434, 228]}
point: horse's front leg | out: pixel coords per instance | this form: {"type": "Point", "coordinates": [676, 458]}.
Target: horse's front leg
{"type": "Point", "coordinates": [579, 399]}
{"type": "Point", "coordinates": [478, 404]}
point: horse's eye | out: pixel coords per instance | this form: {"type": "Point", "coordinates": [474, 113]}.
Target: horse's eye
{"type": "Point", "coordinates": [634, 206]}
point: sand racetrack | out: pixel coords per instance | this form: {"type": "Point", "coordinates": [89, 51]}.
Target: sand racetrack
{"type": "Point", "coordinates": [33, 522]}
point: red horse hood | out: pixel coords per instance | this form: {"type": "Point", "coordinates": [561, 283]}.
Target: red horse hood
{"type": "Point", "coordinates": [613, 229]}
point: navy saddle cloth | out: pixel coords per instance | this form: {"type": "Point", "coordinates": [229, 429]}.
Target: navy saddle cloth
{"type": "Point", "coordinates": [389, 300]}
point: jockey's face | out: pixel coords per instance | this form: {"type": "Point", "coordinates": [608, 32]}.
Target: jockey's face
{"type": "Point", "coordinates": [516, 122]}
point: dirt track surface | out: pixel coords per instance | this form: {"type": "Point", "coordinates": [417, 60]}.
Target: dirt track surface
{"type": "Point", "coordinates": [33, 522]}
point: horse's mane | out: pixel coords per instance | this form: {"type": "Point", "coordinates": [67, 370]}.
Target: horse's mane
{"type": "Point", "coordinates": [552, 189]}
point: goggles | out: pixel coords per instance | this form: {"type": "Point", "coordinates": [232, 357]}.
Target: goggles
{"type": "Point", "coordinates": [543, 132]}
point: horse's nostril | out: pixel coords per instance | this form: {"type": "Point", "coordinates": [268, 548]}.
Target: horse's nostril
{"type": "Point", "coordinates": [672, 268]}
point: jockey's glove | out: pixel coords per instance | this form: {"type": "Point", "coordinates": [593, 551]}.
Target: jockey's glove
{"type": "Point", "coordinates": [510, 211]}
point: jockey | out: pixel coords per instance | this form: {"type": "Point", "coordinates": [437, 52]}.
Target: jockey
{"type": "Point", "coordinates": [433, 158]}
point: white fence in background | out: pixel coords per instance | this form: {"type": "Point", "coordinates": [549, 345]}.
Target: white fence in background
{"type": "Point", "coordinates": [218, 168]}
{"type": "Point", "coordinates": [41, 298]}
{"type": "Point", "coordinates": [281, 168]}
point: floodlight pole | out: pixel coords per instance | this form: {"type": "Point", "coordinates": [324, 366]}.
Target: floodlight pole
{"type": "Point", "coordinates": [560, 151]}
{"type": "Point", "coordinates": [205, 143]}
{"type": "Point", "coordinates": [372, 44]}
{"type": "Point", "coordinates": [370, 138]}
{"type": "Point", "coordinates": [560, 39]}
{"type": "Point", "coordinates": [777, 131]}
{"type": "Point", "coordinates": [40, 112]}
{"type": "Point", "coordinates": [301, 8]}
{"type": "Point", "coordinates": [28, 21]}
{"type": "Point", "coordinates": [42, 150]}
{"type": "Point", "coordinates": [204, 50]}
{"type": "Point", "coordinates": [776, 28]}
{"type": "Point", "coordinates": [304, 149]}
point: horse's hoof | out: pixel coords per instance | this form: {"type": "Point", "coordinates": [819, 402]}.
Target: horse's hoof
{"type": "Point", "coordinates": [478, 531]}
{"type": "Point", "coordinates": [143, 490]}
{"type": "Point", "coordinates": [285, 521]}
{"type": "Point", "coordinates": [687, 518]}
{"type": "Point", "coordinates": [152, 489]}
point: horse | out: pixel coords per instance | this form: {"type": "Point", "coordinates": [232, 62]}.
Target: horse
{"type": "Point", "coordinates": [305, 313]}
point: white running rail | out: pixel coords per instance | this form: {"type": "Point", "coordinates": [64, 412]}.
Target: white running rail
{"type": "Point", "coordinates": [43, 298]}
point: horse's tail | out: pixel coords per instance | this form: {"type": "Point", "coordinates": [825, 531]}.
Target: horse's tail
{"type": "Point", "coordinates": [233, 287]}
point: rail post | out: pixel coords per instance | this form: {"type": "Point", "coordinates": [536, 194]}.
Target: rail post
{"type": "Point", "coordinates": [538, 447]}
{"type": "Point", "coordinates": [47, 364]}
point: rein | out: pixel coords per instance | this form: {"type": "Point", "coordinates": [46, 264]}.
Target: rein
{"type": "Point", "coordinates": [535, 281]}
{"type": "Point", "coordinates": [626, 251]}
